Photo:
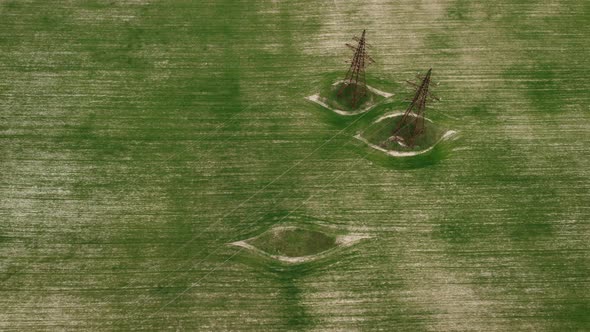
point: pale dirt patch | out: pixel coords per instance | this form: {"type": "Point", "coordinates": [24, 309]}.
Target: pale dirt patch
{"type": "Point", "coordinates": [319, 100]}
{"type": "Point", "coordinates": [447, 135]}
{"type": "Point", "coordinates": [316, 98]}
{"type": "Point", "coordinates": [372, 89]}
{"type": "Point", "coordinates": [341, 242]}
{"type": "Point", "coordinates": [348, 240]}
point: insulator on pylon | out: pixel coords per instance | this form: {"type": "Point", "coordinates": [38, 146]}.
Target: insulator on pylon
{"type": "Point", "coordinates": [357, 39]}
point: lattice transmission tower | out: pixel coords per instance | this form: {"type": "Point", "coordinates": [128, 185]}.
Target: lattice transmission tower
{"type": "Point", "coordinates": [414, 114]}
{"type": "Point", "coordinates": [355, 77]}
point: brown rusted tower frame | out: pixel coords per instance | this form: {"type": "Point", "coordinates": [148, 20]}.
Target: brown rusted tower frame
{"type": "Point", "coordinates": [356, 72]}
{"type": "Point", "coordinates": [417, 107]}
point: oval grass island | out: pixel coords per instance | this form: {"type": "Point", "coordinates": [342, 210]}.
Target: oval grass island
{"type": "Point", "coordinates": [379, 136]}
{"type": "Point", "coordinates": [291, 244]}
{"type": "Point", "coordinates": [338, 98]}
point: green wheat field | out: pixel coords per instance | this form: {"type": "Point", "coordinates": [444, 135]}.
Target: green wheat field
{"type": "Point", "coordinates": [141, 140]}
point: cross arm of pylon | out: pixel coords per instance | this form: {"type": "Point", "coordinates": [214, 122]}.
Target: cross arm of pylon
{"type": "Point", "coordinates": [367, 57]}
{"type": "Point", "coordinates": [367, 61]}
{"type": "Point", "coordinates": [420, 77]}
{"type": "Point", "coordinates": [357, 39]}
{"type": "Point", "coordinates": [352, 47]}
{"type": "Point", "coordinates": [429, 94]}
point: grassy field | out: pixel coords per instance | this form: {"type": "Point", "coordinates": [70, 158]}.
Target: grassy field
{"type": "Point", "coordinates": [343, 98]}
{"type": "Point", "coordinates": [139, 138]}
{"type": "Point", "coordinates": [380, 133]}
{"type": "Point", "coordinates": [297, 242]}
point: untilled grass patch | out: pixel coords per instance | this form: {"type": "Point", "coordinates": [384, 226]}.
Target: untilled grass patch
{"type": "Point", "coordinates": [293, 242]}
{"type": "Point", "coordinates": [389, 135]}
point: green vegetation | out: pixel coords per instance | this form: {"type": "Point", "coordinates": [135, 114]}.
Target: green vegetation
{"type": "Point", "coordinates": [293, 242]}
{"type": "Point", "coordinates": [380, 133]}
{"type": "Point", "coordinates": [343, 100]}
{"type": "Point", "coordinates": [138, 138]}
